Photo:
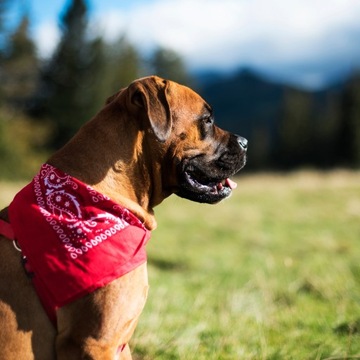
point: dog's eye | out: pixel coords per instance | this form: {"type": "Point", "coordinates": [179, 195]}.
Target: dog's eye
{"type": "Point", "coordinates": [206, 126]}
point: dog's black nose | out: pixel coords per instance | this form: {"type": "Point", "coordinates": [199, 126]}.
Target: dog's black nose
{"type": "Point", "coordinates": [242, 142]}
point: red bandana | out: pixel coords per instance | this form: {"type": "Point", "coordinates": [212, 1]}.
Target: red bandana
{"type": "Point", "coordinates": [74, 238]}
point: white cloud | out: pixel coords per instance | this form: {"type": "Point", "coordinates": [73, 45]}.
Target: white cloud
{"type": "Point", "coordinates": [46, 36]}
{"type": "Point", "coordinates": [225, 34]}
{"type": "Point", "coordinates": [110, 25]}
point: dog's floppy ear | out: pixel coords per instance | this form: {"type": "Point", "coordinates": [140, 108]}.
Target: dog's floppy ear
{"type": "Point", "coordinates": [151, 95]}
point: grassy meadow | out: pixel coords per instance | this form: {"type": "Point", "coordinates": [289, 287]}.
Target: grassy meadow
{"type": "Point", "coordinates": [271, 273]}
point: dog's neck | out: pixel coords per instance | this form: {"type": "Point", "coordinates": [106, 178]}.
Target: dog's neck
{"type": "Point", "coordinates": [96, 156]}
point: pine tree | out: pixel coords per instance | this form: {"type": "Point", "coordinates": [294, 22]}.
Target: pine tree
{"type": "Point", "coordinates": [349, 129]}
{"type": "Point", "coordinates": [296, 130]}
{"type": "Point", "coordinates": [168, 64]}
{"type": "Point", "coordinates": [3, 8]}
{"type": "Point", "coordinates": [3, 43]}
{"type": "Point", "coordinates": [123, 65]}
{"type": "Point", "coordinates": [67, 92]}
{"type": "Point", "coordinates": [20, 65]}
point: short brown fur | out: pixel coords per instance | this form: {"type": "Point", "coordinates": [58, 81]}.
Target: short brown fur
{"type": "Point", "coordinates": [129, 151]}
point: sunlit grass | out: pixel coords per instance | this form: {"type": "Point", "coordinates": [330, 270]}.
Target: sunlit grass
{"type": "Point", "coordinates": [271, 273]}
{"type": "Point", "coordinates": [7, 191]}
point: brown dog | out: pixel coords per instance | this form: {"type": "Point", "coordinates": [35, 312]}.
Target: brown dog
{"type": "Point", "coordinates": [152, 139]}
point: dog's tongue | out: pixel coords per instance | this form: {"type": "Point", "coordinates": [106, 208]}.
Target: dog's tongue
{"type": "Point", "coordinates": [231, 184]}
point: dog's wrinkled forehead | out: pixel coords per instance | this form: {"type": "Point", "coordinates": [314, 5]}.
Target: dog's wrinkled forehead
{"type": "Point", "coordinates": [185, 101]}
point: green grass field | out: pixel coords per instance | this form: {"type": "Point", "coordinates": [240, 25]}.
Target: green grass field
{"type": "Point", "coordinates": [271, 273]}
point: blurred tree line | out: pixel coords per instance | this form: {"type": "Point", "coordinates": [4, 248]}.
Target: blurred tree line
{"type": "Point", "coordinates": [44, 102]}
{"type": "Point", "coordinates": [321, 129]}
{"type": "Point", "coordinates": [288, 127]}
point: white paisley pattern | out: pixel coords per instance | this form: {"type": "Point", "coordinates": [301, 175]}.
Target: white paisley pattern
{"type": "Point", "coordinates": [81, 217]}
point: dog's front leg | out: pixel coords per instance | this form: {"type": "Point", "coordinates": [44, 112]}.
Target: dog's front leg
{"type": "Point", "coordinates": [100, 325]}
{"type": "Point", "coordinates": [71, 346]}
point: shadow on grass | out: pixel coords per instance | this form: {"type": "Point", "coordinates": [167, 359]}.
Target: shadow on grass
{"type": "Point", "coordinates": [346, 328]}
{"type": "Point", "coordinates": [168, 265]}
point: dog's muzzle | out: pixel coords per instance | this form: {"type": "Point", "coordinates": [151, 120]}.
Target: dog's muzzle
{"type": "Point", "coordinates": [208, 181]}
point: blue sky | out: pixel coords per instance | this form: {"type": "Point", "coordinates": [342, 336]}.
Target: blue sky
{"type": "Point", "coordinates": [307, 42]}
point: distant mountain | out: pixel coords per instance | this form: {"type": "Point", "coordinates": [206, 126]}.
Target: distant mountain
{"type": "Point", "coordinates": [247, 104]}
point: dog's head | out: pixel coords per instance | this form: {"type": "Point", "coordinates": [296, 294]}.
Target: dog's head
{"type": "Point", "coordinates": [196, 158]}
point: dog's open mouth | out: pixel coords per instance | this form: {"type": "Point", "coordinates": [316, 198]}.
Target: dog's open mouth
{"type": "Point", "coordinates": [199, 187]}
{"type": "Point", "coordinates": [203, 184]}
